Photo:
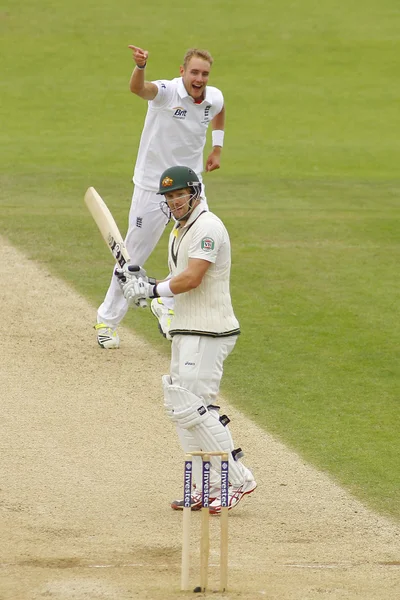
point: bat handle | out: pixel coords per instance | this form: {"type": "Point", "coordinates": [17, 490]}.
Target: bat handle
{"type": "Point", "coordinates": [142, 303]}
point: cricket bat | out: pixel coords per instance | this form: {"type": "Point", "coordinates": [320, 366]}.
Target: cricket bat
{"type": "Point", "coordinates": [108, 229]}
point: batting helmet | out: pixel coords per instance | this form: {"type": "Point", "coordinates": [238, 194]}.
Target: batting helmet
{"type": "Point", "coordinates": [178, 178]}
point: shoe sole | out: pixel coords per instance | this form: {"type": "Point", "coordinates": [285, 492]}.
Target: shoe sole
{"type": "Point", "coordinates": [101, 344]}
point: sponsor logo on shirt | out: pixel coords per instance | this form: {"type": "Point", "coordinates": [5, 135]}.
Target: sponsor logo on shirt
{"type": "Point", "coordinates": [207, 244]}
{"type": "Point", "coordinates": [179, 112]}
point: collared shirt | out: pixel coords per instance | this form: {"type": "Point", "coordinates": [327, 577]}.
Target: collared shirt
{"type": "Point", "coordinates": [207, 309]}
{"type": "Point", "coordinates": [174, 131]}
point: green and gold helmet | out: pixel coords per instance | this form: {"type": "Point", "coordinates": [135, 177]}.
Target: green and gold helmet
{"type": "Point", "coordinates": [179, 178]}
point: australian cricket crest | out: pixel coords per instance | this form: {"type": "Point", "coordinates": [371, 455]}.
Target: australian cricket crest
{"type": "Point", "coordinates": [167, 182]}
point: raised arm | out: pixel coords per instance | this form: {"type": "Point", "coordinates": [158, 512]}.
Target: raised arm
{"type": "Point", "coordinates": [137, 84]}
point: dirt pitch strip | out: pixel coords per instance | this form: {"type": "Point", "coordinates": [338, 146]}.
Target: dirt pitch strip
{"type": "Point", "coordinates": [89, 464]}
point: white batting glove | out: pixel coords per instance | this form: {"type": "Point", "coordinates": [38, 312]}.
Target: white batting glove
{"type": "Point", "coordinates": [130, 289]}
{"type": "Point", "coordinates": [136, 289]}
{"type": "Point", "coordinates": [128, 272]}
{"type": "Point", "coordinates": [131, 273]}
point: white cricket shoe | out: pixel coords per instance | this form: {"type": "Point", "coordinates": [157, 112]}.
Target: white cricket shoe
{"type": "Point", "coordinates": [107, 337]}
{"type": "Point", "coordinates": [164, 316]}
{"type": "Point", "coordinates": [235, 495]}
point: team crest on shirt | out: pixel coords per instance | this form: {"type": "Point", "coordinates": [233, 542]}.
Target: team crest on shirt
{"type": "Point", "coordinates": [206, 118]}
{"type": "Point", "coordinates": [207, 244]}
{"type": "Point", "coordinates": [179, 112]}
{"type": "Point", "coordinates": [167, 182]}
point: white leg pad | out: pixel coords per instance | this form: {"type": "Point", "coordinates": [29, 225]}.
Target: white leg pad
{"type": "Point", "coordinates": [191, 413]}
{"type": "Point", "coordinates": [189, 409]}
{"type": "Point", "coordinates": [166, 382]}
{"type": "Point", "coordinates": [215, 414]}
{"type": "Point", "coordinates": [190, 444]}
{"type": "Point", "coordinates": [212, 435]}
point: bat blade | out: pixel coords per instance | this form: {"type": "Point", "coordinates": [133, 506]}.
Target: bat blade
{"type": "Point", "coordinates": [108, 229]}
{"type": "Point", "coordinates": [107, 226]}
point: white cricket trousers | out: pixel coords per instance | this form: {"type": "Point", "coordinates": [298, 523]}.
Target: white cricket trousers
{"type": "Point", "coordinates": [197, 363]}
{"type": "Point", "coordinates": [146, 225]}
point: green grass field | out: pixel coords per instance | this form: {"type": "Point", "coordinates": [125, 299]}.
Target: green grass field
{"type": "Point", "coordinates": [309, 190]}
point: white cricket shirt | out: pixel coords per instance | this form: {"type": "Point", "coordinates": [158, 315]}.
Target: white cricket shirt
{"type": "Point", "coordinates": [206, 310]}
{"type": "Point", "coordinates": [174, 131]}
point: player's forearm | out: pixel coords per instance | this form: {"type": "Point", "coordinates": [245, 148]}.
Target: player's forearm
{"type": "Point", "coordinates": [218, 122]}
{"type": "Point", "coordinates": [184, 282]}
{"type": "Point", "coordinates": [137, 81]}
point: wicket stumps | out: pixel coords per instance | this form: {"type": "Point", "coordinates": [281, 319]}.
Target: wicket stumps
{"type": "Point", "coordinates": [205, 525]}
